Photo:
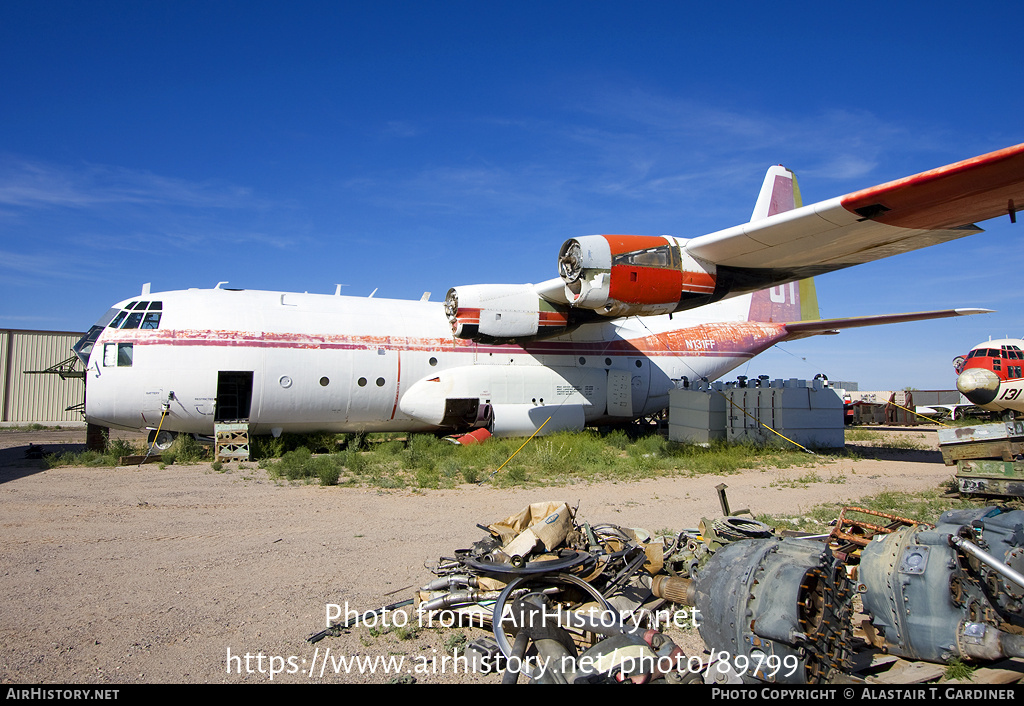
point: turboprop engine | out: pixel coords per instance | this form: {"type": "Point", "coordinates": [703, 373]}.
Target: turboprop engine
{"type": "Point", "coordinates": [936, 594]}
{"type": "Point", "coordinates": [502, 313]}
{"type": "Point", "coordinates": [634, 275]}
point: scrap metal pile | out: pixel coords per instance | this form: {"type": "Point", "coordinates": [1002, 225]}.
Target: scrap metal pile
{"type": "Point", "coordinates": [576, 598]}
{"type": "Point", "coordinates": [565, 601]}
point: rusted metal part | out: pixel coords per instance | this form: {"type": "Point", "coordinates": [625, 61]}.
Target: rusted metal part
{"type": "Point", "coordinates": [860, 532]}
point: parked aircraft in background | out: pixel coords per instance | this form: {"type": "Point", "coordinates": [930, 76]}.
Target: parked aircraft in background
{"type": "Point", "coordinates": [990, 375]}
{"type": "Point", "coordinates": [628, 319]}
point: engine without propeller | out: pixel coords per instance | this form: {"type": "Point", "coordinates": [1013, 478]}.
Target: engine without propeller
{"type": "Point", "coordinates": [634, 275]}
{"type": "Point", "coordinates": [502, 313]}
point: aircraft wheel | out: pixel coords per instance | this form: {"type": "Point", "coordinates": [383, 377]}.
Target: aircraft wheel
{"type": "Point", "coordinates": [163, 440]}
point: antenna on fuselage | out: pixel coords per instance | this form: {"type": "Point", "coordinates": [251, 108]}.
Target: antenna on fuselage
{"type": "Point", "coordinates": [373, 292]}
{"type": "Point", "coordinates": [220, 283]}
{"type": "Point", "coordinates": [337, 289]}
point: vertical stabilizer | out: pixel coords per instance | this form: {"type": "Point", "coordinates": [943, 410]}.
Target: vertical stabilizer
{"type": "Point", "coordinates": [794, 301]}
{"type": "Point", "coordinates": [779, 193]}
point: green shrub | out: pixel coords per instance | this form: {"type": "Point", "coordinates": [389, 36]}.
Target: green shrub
{"type": "Point", "coordinates": [427, 478]}
{"type": "Point", "coordinates": [187, 450]}
{"type": "Point", "coordinates": [295, 465]}
{"type": "Point", "coordinates": [329, 474]}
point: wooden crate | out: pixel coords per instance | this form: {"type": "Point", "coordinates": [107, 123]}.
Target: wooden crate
{"type": "Point", "coordinates": [232, 442]}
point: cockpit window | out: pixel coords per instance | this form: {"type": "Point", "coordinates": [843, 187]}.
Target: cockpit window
{"type": "Point", "coordinates": [133, 320]}
{"type": "Point", "coordinates": [138, 315]}
{"type": "Point", "coordinates": [119, 355]}
{"type": "Point", "coordinates": [135, 315]}
{"type": "Point", "coordinates": [84, 346]}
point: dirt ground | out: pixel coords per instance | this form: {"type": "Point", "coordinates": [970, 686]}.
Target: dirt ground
{"type": "Point", "coordinates": [188, 575]}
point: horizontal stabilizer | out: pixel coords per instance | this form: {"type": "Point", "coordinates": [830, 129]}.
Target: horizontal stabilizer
{"type": "Point", "coordinates": [802, 329]}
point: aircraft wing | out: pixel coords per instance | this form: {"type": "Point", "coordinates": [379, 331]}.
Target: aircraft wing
{"type": "Point", "coordinates": [900, 216]}
{"type": "Point", "coordinates": [610, 276]}
{"type": "Point", "coordinates": [803, 329]}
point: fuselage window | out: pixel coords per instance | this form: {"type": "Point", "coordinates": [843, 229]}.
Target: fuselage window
{"type": "Point", "coordinates": [361, 382]}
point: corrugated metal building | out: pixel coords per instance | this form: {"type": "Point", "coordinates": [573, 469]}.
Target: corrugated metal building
{"type": "Point", "coordinates": [38, 398]}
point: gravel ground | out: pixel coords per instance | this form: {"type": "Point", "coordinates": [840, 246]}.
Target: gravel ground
{"type": "Point", "coordinates": [188, 575]}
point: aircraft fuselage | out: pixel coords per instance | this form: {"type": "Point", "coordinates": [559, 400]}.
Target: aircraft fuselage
{"type": "Point", "coordinates": [293, 362]}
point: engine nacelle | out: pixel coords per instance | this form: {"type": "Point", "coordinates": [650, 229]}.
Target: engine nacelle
{"type": "Point", "coordinates": [633, 275]}
{"type": "Point", "coordinates": [502, 313]}
{"type": "Point", "coordinates": [525, 419]}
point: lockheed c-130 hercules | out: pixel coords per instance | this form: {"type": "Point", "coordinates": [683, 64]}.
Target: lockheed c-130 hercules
{"type": "Point", "coordinates": [628, 319]}
{"type": "Point", "coordinates": [991, 375]}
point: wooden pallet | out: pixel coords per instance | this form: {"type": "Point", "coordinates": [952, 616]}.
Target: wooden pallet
{"type": "Point", "coordinates": [889, 669]}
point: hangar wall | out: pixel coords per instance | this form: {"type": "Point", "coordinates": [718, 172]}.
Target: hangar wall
{"type": "Point", "coordinates": [43, 398]}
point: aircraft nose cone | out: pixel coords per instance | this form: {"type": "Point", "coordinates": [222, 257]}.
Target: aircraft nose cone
{"type": "Point", "coordinates": [978, 385]}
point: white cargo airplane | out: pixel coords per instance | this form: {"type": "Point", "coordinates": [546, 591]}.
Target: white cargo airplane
{"type": "Point", "coordinates": [629, 318]}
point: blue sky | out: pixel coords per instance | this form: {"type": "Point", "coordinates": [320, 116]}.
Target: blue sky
{"type": "Point", "coordinates": [409, 147]}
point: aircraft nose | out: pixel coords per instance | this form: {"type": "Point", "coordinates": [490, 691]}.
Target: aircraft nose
{"type": "Point", "coordinates": [978, 385]}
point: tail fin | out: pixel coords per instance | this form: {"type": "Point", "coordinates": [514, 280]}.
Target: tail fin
{"type": "Point", "coordinates": [779, 192]}
{"type": "Point", "coordinates": [794, 301]}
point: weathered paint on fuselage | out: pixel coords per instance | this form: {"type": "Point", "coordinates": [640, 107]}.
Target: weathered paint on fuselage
{"type": "Point", "coordinates": [335, 363]}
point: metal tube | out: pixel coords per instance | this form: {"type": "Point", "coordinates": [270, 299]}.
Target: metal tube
{"type": "Point", "coordinates": [986, 558]}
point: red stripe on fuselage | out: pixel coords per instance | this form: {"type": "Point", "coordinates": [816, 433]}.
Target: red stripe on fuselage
{"type": "Point", "coordinates": [715, 340]}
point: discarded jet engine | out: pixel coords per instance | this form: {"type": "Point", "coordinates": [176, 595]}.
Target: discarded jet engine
{"type": "Point", "coordinates": [774, 610]}
{"type": "Point", "coordinates": [954, 591]}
